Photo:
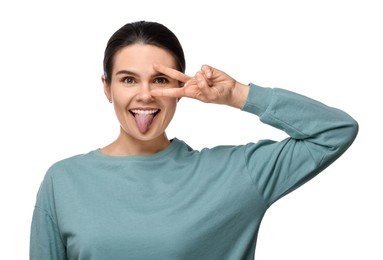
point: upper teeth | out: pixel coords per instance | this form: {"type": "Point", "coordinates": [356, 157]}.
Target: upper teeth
{"type": "Point", "coordinates": [144, 112]}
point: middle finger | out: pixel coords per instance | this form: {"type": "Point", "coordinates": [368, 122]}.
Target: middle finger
{"type": "Point", "coordinates": [175, 74]}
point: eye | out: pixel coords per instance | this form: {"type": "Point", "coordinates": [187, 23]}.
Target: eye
{"type": "Point", "coordinates": [161, 80]}
{"type": "Point", "coordinates": [128, 80]}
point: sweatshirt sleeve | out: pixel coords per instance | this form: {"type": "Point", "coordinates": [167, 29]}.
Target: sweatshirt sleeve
{"type": "Point", "coordinates": [318, 135]}
{"type": "Point", "coordinates": [45, 238]}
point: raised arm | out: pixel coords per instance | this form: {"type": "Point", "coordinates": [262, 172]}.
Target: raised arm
{"type": "Point", "coordinates": [319, 134]}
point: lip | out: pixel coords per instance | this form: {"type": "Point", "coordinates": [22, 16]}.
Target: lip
{"type": "Point", "coordinates": [141, 110]}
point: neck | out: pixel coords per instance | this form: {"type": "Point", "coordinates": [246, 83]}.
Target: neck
{"type": "Point", "coordinates": [127, 145]}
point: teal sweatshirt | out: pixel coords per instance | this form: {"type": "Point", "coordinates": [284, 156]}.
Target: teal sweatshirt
{"type": "Point", "coordinates": [182, 203]}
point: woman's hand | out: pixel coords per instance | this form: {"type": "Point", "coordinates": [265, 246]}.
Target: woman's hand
{"type": "Point", "coordinates": [209, 85]}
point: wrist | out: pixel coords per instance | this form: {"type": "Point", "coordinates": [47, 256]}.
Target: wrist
{"type": "Point", "coordinates": [239, 95]}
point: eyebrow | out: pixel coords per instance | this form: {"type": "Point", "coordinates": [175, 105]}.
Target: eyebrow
{"type": "Point", "coordinates": [136, 75]}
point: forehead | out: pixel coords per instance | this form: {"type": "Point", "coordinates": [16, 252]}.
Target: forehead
{"type": "Point", "coordinates": [142, 56]}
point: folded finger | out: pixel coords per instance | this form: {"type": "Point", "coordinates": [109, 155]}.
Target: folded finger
{"type": "Point", "coordinates": [208, 70]}
{"type": "Point", "coordinates": [203, 84]}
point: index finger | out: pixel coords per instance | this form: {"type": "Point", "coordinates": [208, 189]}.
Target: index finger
{"type": "Point", "coordinates": [168, 92]}
{"type": "Point", "coordinates": [175, 74]}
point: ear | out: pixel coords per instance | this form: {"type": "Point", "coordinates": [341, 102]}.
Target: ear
{"type": "Point", "coordinates": [107, 89]}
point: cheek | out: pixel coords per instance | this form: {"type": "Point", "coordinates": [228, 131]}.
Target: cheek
{"type": "Point", "coordinates": [172, 104]}
{"type": "Point", "coordinates": [122, 95]}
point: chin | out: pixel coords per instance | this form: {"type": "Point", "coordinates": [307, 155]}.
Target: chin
{"type": "Point", "coordinates": [149, 135]}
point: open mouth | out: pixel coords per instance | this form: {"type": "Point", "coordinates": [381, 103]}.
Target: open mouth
{"type": "Point", "coordinates": [144, 118]}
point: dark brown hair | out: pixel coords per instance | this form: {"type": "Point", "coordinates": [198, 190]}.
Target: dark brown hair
{"type": "Point", "coordinates": [144, 32]}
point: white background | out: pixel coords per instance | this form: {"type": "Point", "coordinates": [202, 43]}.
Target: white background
{"type": "Point", "coordinates": [52, 103]}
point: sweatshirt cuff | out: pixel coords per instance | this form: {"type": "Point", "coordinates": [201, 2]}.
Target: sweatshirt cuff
{"type": "Point", "coordinates": [258, 99]}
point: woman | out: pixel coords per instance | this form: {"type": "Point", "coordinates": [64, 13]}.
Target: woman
{"type": "Point", "coordinates": [147, 197]}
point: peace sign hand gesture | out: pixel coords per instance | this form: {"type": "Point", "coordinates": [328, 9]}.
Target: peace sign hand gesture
{"type": "Point", "coordinates": [209, 85]}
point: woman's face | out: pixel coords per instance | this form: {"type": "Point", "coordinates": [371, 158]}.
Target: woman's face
{"type": "Point", "coordinates": [141, 115]}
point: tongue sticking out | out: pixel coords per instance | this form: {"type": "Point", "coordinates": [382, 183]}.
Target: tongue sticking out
{"type": "Point", "coordinates": [143, 121]}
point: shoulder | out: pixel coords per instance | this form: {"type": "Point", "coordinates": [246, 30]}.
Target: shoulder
{"type": "Point", "coordinates": [66, 164]}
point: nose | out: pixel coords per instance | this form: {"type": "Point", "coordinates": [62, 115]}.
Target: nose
{"type": "Point", "coordinates": [143, 94]}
